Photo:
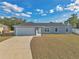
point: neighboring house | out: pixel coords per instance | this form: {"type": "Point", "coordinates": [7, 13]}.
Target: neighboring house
{"type": "Point", "coordinates": [42, 28]}
{"type": "Point", "coordinates": [3, 29]}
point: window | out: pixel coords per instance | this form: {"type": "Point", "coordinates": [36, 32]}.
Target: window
{"type": "Point", "coordinates": [46, 29]}
{"type": "Point", "coordinates": [56, 29]}
{"type": "Point", "coordinates": [66, 29]}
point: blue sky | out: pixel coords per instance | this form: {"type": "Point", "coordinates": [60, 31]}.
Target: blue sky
{"type": "Point", "coordinates": [39, 10]}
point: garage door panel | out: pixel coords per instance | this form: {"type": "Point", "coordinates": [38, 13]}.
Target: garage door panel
{"type": "Point", "coordinates": [25, 31]}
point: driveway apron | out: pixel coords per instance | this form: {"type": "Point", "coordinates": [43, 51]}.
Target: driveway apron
{"type": "Point", "coordinates": [17, 47]}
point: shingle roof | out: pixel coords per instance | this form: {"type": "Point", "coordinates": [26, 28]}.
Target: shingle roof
{"type": "Point", "coordinates": [42, 24]}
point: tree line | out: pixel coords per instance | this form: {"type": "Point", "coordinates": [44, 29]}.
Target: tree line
{"type": "Point", "coordinates": [73, 20]}
{"type": "Point", "coordinates": [11, 21]}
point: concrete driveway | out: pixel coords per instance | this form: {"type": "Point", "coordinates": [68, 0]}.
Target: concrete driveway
{"type": "Point", "coordinates": [16, 48]}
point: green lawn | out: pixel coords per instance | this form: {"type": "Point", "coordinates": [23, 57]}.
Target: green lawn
{"type": "Point", "coordinates": [2, 38]}
{"type": "Point", "coordinates": [55, 46]}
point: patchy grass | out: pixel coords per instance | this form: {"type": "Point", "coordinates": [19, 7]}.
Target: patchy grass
{"type": "Point", "coordinates": [55, 46]}
{"type": "Point", "coordinates": [2, 38]}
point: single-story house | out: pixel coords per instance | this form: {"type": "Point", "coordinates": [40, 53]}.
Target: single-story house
{"type": "Point", "coordinates": [3, 28]}
{"type": "Point", "coordinates": [42, 28]}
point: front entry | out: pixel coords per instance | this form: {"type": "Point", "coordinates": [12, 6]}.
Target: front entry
{"type": "Point", "coordinates": [38, 31]}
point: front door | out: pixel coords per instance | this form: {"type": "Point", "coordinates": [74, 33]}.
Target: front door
{"type": "Point", "coordinates": [38, 31]}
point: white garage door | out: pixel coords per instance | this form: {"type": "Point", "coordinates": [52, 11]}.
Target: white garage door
{"type": "Point", "coordinates": [25, 31]}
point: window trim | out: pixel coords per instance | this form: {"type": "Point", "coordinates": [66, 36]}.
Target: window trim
{"type": "Point", "coordinates": [56, 29]}
{"type": "Point", "coordinates": [46, 29]}
{"type": "Point", "coordinates": [67, 30]}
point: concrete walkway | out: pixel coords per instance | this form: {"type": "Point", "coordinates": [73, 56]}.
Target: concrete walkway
{"type": "Point", "coordinates": [16, 48]}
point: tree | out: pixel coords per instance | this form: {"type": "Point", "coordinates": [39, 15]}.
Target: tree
{"type": "Point", "coordinates": [11, 21]}
{"type": "Point", "coordinates": [73, 20]}
{"type": "Point", "coordinates": [78, 24]}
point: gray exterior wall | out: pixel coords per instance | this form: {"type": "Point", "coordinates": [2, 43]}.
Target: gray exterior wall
{"type": "Point", "coordinates": [60, 29]}
{"type": "Point", "coordinates": [31, 30]}
{"type": "Point", "coordinates": [22, 31]}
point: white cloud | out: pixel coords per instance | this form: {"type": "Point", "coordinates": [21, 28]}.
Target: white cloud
{"type": "Point", "coordinates": [41, 11]}
{"type": "Point", "coordinates": [59, 8]}
{"type": "Point", "coordinates": [38, 10]}
{"type": "Point", "coordinates": [14, 10]}
{"type": "Point", "coordinates": [12, 7]}
{"type": "Point", "coordinates": [77, 10]}
{"type": "Point", "coordinates": [7, 10]}
{"type": "Point", "coordinates": [64, 15]}
{"type": "Point", "coordinates": [16, 14]}
{"type": "Point", "coordinates": [43, 14]}
{"type": "Point", "coordinates": [77, 1]}
{"type": "Point", "coordinates": [51, 11]}
{"type": "Point", "coordinates": [22, 14]}
{"type": "Point", "coordinates": [72, 7]}
{"type": "Point", "coordinates": [29, 13]}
